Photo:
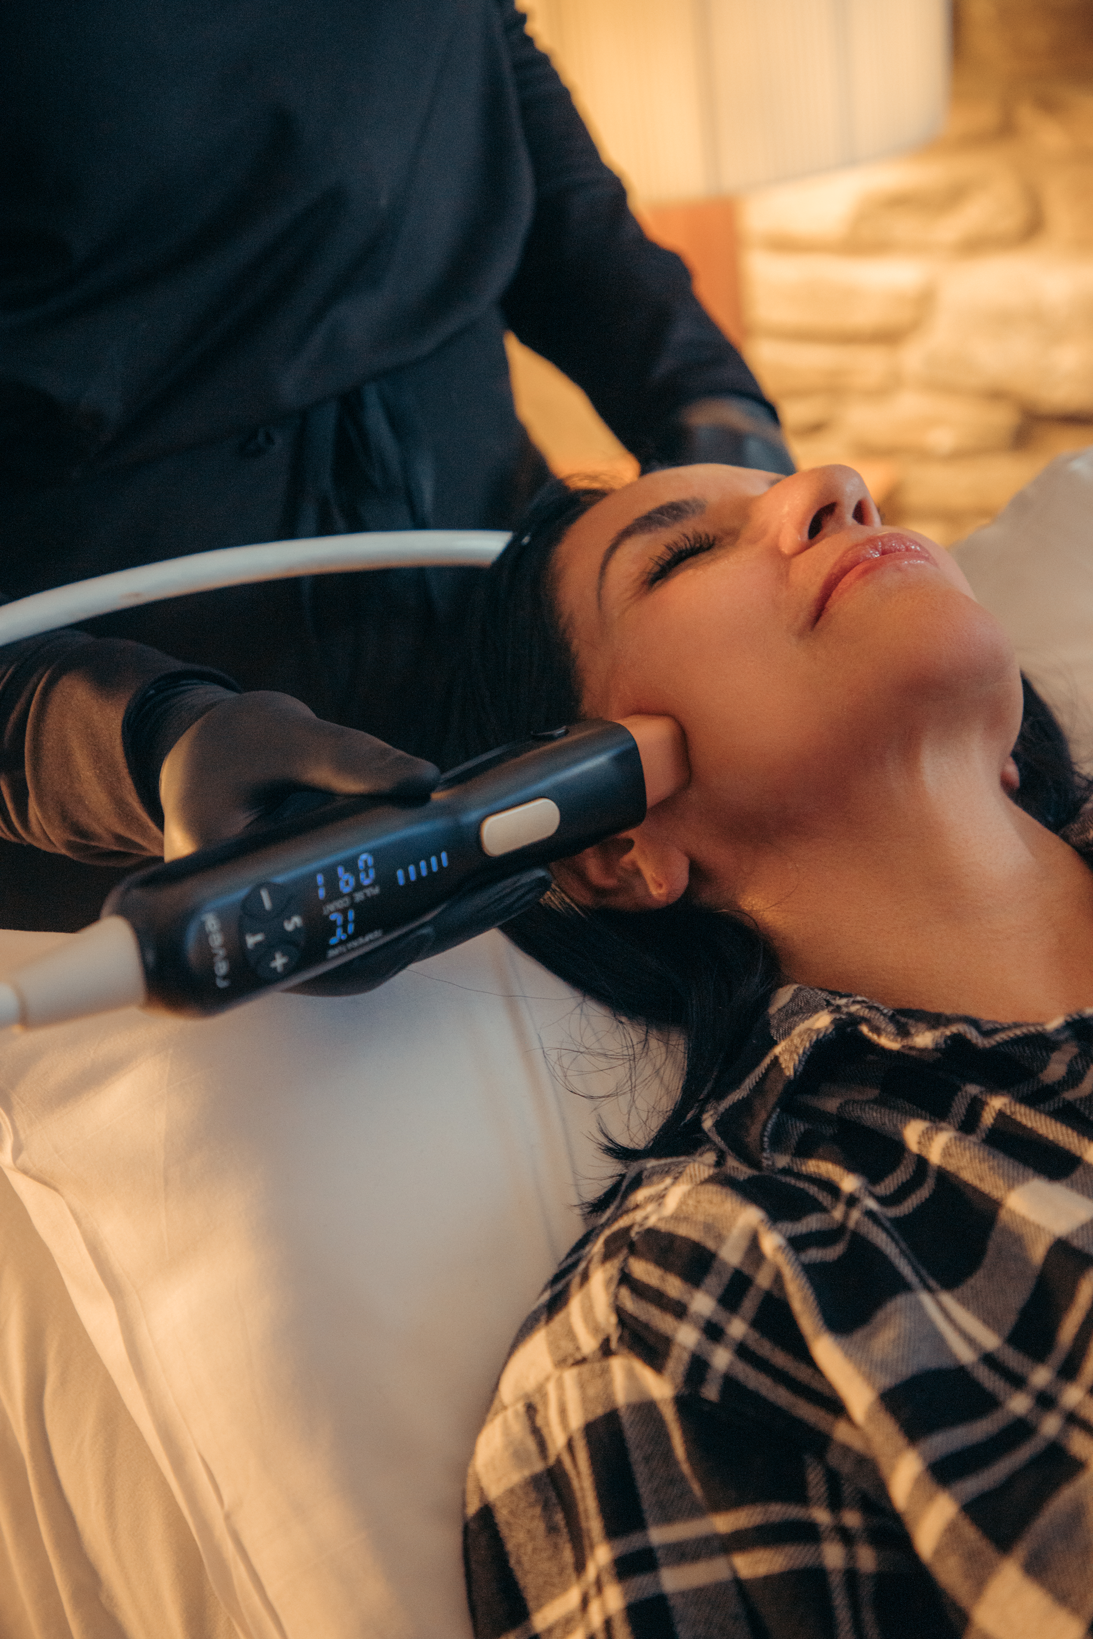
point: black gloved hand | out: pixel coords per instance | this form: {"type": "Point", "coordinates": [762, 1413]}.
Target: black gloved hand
{"type": "Point", "coordinates": [250, 751]}
{"type": "Point", "coordinates": [250, 754]}
{"type": "Point", "coordinates": [737, 432]}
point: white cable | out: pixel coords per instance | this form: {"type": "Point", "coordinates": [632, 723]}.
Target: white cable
{"type": "Point", "coordinates": [93, 972]}
{"type": "Point", "coordinates": [100, 968]}
{"type": "Point", "coordinates": [241, 565]}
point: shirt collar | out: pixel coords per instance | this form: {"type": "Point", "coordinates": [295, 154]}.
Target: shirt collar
{"type": "Point", "coordinates": [801, 1019]}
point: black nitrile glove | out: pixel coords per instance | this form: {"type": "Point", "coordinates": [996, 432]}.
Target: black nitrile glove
{"type": "Point", "coordinates": [241, 759]}
{"type": "Point", "coordinates": [736, 432]}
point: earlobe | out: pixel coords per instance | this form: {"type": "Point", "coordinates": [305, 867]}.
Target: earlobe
{"type": "Point", "coordinates": [632, 872]}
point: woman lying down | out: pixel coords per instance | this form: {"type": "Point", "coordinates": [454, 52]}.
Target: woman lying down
{"type": "Point", "coordinates": [822, 1363]}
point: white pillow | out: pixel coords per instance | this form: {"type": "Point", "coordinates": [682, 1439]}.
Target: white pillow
{"type": "Point", "coordinates": [1033, 568]}
{"type": "Point", "coordinates": [301, 1237]}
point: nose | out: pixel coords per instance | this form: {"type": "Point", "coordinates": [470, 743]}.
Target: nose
{"type": "Point", "coordinates": [818, 503]}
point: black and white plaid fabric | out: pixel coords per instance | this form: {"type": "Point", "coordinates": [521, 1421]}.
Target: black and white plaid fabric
{"type": "Point", "coordinates": [831, 1377]}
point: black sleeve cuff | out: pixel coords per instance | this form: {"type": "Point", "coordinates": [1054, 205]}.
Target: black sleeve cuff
{"type": "Point", "coordinates": [158, 716]}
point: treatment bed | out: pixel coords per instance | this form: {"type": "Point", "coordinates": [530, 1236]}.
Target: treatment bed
{"type": "Point", "coordinates": [260, 1271]}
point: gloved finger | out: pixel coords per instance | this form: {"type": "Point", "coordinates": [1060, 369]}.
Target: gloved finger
{"type": "Point", "coordinates": [330, 757]}
{"type": "Point", "coordinates": [728, 430]}
{"type": "Point", "coordinates": [273, 741]}
{"type": "Point", "coordinates": [249, 752]}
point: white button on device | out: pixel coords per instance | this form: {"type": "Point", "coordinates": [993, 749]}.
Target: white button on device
{"type": "Point", "coordinates": [516, 827]}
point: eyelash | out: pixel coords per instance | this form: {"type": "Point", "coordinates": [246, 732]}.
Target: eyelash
{"type": "Point", "coordinates": [690, 545]}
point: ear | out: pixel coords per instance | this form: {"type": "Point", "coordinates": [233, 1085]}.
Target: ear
{"type": "Point", "coordinates": [633, 872]}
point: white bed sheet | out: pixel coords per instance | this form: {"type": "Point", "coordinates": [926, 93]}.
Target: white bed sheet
{"type": "Point", "coordinates": [1032, 566]}
{"type": "Point", "coordinates": [301, 1237]}
{"type": "Point", "coordinates": [93, 1544]}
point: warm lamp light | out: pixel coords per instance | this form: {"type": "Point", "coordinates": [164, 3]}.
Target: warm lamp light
{"type": "Point", "coordinates": [695, 98]}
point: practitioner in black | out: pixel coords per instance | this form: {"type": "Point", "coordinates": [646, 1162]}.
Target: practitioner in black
{"type": "Point", "coordinates": [258, 263]}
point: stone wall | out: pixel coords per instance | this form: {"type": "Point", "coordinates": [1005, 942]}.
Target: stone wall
{"type": "Point", "coordinates": [932, 317]}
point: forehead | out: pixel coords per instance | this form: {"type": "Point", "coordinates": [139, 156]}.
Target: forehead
{"type": "Point", "coordinates": [656, 502]}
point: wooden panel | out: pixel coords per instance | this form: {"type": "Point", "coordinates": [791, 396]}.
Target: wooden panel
{"type": "Point", "coordinates": [704, 234]}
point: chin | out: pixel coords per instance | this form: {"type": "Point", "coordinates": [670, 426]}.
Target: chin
{"type": "Point", "coordinates": [934, 645]}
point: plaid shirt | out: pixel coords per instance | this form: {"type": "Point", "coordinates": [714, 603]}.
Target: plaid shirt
{"type": "Point", "coordinates": [831, 1376]}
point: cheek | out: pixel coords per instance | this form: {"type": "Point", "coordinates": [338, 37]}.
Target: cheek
{"type": "Point", "coordinates": [947, 564]}
{"type": "Point", "coordinates": [929, 652]}
{"type": "Point", "coordinates": [740, 687]}
{"type": "Point", "coordinates": [679, 649]}
{"type": "Point", "coordinates": [775, 721]}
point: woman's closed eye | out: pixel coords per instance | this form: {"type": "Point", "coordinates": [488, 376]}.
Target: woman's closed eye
{"type": "Point", "coordinates": [689, 545]}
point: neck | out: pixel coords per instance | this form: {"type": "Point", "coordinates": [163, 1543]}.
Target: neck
{"type": "Point", "coordinates": [930, 889]}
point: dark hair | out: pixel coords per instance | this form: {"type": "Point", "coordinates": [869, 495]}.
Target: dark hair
{"type": "Point", "coordinates": [705, 974]}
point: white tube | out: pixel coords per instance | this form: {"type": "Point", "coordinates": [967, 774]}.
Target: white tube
{"type": "Point", "coordinates": [93, 972]}
{"type": "Point", "coordinates": [241, 565]}
{"type": "Point", "coordinates": [100, 969]}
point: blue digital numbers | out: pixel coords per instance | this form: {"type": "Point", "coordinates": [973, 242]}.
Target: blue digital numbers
{"type": "Point", "coordinates": [363, 877]}
{"type": "Point", "coordinates": [343, 926]}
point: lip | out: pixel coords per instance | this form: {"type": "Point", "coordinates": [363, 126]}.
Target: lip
{"type": "Point", "coordinates": [866, 552]}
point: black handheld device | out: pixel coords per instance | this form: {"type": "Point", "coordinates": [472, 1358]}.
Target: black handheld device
{"type": "Point", "coordinates": [316, 901]}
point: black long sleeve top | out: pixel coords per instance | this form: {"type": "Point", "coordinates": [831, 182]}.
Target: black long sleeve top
{"type": "Point", "coordinates": [214, 216]}
{"type": "Point", "coordinates": [67, 784]}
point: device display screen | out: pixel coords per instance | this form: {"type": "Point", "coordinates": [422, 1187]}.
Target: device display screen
{"type": "Point", "coordinates": [340, 889]}
{"type": "Point", "coordinates": [326, 913]}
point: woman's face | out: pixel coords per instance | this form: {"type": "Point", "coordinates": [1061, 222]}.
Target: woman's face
{"type": "Point", "coordinates": [794, 637]}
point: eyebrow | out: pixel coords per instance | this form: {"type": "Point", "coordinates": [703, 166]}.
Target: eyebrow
{"type": "Point", "coordinates": [658, 517]}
